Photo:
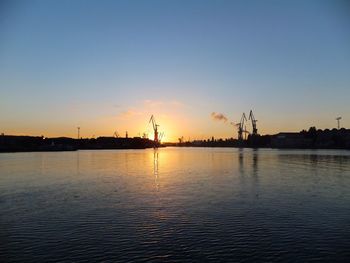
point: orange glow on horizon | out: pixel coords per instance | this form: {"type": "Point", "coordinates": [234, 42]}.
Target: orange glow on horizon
{"type": "Point", "coordinates": [175, 120]}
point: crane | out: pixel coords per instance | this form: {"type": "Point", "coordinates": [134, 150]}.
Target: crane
{"type": "Point", "coordinates": [155, 128]}
{"type": "Point", "coordinates": [181, 140]}
{"type": "Point", "coordinates": [252, 118]}
{"type": "Point", "coordinates": [240, 126]}
{"type": "Point", "coordinates": [161, 135]}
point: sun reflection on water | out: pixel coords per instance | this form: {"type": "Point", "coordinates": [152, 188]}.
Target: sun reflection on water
{"type": "Point", "coordinates": [156, 167]}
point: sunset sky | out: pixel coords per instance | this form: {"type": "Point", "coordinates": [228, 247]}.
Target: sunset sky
{"type": "Point", "coordinates": [106, 66]}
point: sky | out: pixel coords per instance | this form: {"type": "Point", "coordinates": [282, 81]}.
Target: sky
{"type": "Point", "coordinates": [107, 66]}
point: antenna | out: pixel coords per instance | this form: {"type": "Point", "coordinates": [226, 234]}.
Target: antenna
{"type": "Point", "coordinates": [338, 120]}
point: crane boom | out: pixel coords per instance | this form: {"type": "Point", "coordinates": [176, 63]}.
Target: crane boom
{"type": "Point", "coordinates": [155, 128]}
{"type": "Point", "coordinates": [252, 118]}
{"type": "Point", "coordinates": [152, 120]}
{"type": "Point", "coordinates": [240, 127]}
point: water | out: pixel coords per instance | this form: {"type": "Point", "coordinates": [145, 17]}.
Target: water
{"type": "Point", "coordinates": [175, 204]}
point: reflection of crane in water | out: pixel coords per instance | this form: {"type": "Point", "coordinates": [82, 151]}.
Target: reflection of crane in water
{"type": "Point", "coordinates": [255, 162]}
{"type": "Point", "coordinates": [240, 161]}
{"type": "Point", "coordinates": [252, 164]}
{"type": "Point", "coordinates": [155, 167]}
{"type": "Point", "coordinates": [78, 162]}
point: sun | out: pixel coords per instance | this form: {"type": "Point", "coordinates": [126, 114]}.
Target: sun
{"type": "Point", "coordinates": [161, 136]}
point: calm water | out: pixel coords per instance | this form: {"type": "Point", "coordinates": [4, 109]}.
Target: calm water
{"type": "Point", "coordinates": [175, 204]}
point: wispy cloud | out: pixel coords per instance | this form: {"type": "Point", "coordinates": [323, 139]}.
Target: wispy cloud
{"type": "Point", "coordinates": [148, 107]}
{"type": "Point", "coordinates": [218, 117]}
{"type": "Point", "coordinates": [129, 113]}
{"type": "Point", "coordinates": [153, 103]}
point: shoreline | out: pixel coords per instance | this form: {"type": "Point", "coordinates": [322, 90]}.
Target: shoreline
{"type": "Point", "coordinates": [207, 147]}
{"type": "Point", "coordinates": [311, 139]}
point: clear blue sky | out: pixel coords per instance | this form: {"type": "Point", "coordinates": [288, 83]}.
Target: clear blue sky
{"type": "Point", "coordinates": [107, 65]}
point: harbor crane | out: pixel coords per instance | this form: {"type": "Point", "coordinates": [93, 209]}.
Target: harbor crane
{"type": "Point", "coordinates": [155, 128]}
{"type": "Point", "coordinates": [240, 127]}
{"type": "Point", "coordinates": [181, 140]}
{"type": "Point", "coordinates": [161, 135]}
{"type": "Point", "coordinates": [252, 118]}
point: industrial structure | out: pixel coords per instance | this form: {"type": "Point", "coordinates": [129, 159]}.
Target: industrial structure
{"type": "Point", "coordinates": [241, 126]}
{"type": "Point", "coordinates": [252, 118]}
{"type": "Point", "coordinates": [157, 136]}
{"type": "Point", "coordinates": [311, 139]}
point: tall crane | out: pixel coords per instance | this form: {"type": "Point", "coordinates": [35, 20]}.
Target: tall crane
{"type": "Point", "coordinates": [240, 126]}
{"type": "Point", "coordinates": [161, 135]}
{"type": "Point", "coordinates": [155, 128]}
{"type": "Point", "coordinates": [252, 118]}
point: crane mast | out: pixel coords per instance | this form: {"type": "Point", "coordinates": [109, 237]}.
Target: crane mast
{"type": "Point", "coordinates": [252, 118]}
{"type": "Point", "coordinates": [240, 127]}
{"type": "Point", "coordinates": [155, 128]}
{"type": "Point", "coordinates": [160, 137]}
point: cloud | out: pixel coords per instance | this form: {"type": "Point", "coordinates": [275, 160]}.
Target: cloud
{"type": "Point", "coordinates": [152, 104]}
{"type": "Point", "coordinates": [218, 117]}
{"type": "Point", "coordinates": [146, 108]}
{"type": "Point", "coordinates": [129, 113]}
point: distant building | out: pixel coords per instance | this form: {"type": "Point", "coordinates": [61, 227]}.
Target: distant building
{"type": "Point", "coordinates": [290, 140]}
{"type": "Point", "coordinates": [197, 142]}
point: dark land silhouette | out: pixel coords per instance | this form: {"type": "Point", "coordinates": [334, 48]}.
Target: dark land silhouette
{"type": "Point", "coordinates": [311, 139]}
{"type": "Point", "coordinates": [10, 143]}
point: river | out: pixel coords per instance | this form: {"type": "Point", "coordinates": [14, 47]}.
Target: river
{"type": "Point", "coordinates": [175, 205]}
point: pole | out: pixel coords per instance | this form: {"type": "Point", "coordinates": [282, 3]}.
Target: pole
{"type": "Point", "coordinates": [338, 120]}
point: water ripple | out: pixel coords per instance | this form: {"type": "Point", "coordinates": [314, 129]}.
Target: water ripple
{"type": "Point", "coordinates": [195, 205]}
